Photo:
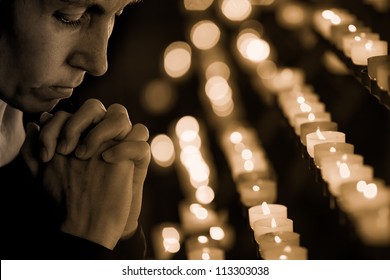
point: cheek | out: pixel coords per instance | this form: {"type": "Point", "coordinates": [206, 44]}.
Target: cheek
{"type": "Point", "coordinates": [41, 53]}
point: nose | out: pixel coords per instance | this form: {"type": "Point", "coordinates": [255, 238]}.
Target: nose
{"type": "Point", "coordinates": [90, 51]}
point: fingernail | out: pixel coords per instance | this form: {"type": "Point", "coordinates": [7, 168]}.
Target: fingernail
{"type": "Point", "coordinates": [44, 154]}
{"type": "Point", "coordinates": [81, 150]}
{"type": "Point", "coordinates": [62, 147]}
{"type": "Point", "coordinates": [107, 156]}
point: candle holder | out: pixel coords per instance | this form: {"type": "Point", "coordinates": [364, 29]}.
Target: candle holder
{"type": "Point", "coordinates": [365, 79]}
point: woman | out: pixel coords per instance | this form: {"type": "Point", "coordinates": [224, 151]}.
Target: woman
{"type": "Point", "coordinates": [72, 185]}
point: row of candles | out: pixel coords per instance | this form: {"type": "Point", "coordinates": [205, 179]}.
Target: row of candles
{"type": "Point", "coordinates": [365, 198]}
{"type": "Point", "coordinates": [359, 44]}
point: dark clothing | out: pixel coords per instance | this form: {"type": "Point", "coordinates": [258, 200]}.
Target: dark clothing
{"type": "Point", "coordinates": [30, 224]}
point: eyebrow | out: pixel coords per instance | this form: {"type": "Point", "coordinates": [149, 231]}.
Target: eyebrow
{"type": "Point", "coordinates": [97, 7]}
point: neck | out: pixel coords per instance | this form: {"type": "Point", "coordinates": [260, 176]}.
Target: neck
{"type": "Point", "coordinates": [12, 133]}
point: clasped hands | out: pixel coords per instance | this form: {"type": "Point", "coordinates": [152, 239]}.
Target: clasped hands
{"type": "Point", "coordinates": [95, 163]}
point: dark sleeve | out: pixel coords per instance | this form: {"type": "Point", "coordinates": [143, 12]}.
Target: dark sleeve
{"type": "Point", "coordinates": [133, 248]}
{"type": "Point", "coordinates": [75, 248]}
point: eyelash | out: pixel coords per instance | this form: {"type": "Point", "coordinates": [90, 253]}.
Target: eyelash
{"type": "Point", "coordinates": [70, 23]}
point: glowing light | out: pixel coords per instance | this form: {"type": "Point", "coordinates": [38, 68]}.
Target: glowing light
{"type": "Point", "coordinates": [256, 188]}
{"type": "Point", "coordinates": [311, 117]}
{"type": "Point", "coordinates": [162, 150]}
{"type": "Point", "coordinates": [344, 170]}
{"type": "Point", "coordinates": [368, 45]}
{"type": "Point", "coordinates": [277, 239]}
{"type": "Point", "coordinates": [218, 90]}
{"type": "Point", "coordinates": [332, 150]}
{"type": "Point", "coordinates": [265, 208]}
{"type": "Point", "coordinates": [361, 186]}
{"type": "Point", "coordinates": [305, 107]}
{"type": "Point", "coordinates": [186, 123]}
{"type": "Point", "coordinates": [235, 137]}
{"type": "Point", "coordinates": [320, 135]}
{"type": "Point", "coordinates": [283, 257]}
{"type": "Point", "coordinates": [370, 191]}
{"type": "Point", "coordinates": [236, 10]}
{"type": "Point", "coordinates": [301, 99]}
{"type": "Point", "coordinates": [287, 249]}
{"type": "Point", "coordinates": [205, 34]}
{"type": "Point", "coordinates": [327, 14]}
{"type": "Point", "coordinates": [252, 47]}
{"type": "Point", "coordinates": [273, 223]}
{"type": "Point", "coordinates": [177, 59]}
{"type": "Point", "coordinates": [246, 154]}
{"type": "Point", "coordinates": [197, 5]}
{"type": "Point", "coordinates": [206, 255]}
{"type": "Point", "coordinates": [203, 239]}
{"type": "Point", "coordinates": [171, 245]}
{"type": "Point", "coordinates": [217, 233]}
{"type": "Point", "coordinates": [170, 232]}
{"type": "Point", "coordinates": [200, 212]}
{"type": "Point", "coordinates": [352, 28]}
{"type": "Point", "coordinates": [205, 194]}
{"type": "Point", "coordinates": [249, 165]}
{"type": "Point", "coordinates": [218, 68]}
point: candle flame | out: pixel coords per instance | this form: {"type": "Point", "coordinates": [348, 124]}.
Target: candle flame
{"type": "Point", "coordinates": [301, 99]}
{"type": "Point", "coordinates": [277, 239]}
{"type": "Point", "coordinates": [344, 170]}
{"type": "Point", "coordinates": [287, 249]}
{"type": "Point", "coordinates": [203, 239]}
{"type": "Point", "coordinates": [311, 117]}
{"type": "Point", "coordinates": [370, 191]}
{"type": "Point", "coordinates": [320, 135]}
{"type": "Point", "coordinates": [205, 256]}
{"type": "Point", "coordinates": [273, 223]}
{"type": "Point", "coordinates": [368, 45]}
{"type": "Point", "coordinates": [283, 257]}
{"type": "Point", "coordinates": [305, 107]}
{"type": "Point", "coordinates": [265, 208]}
{"type": "Point", "coordinates": [332, 150]}
{"type": "Point", "coordinates": [352, 28]}
{"type": "Point", "coordinates": [361, 185]}
{"type": "Point", "coordinates": [256, 188]}
{"type": "Point", "coordinates": [236, 137]}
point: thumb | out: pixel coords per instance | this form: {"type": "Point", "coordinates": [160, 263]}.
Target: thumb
{"type": "Point", "coordinates": [30, 148]}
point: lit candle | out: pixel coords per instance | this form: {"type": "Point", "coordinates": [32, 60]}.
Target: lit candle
{"type": "Point", "coordinates": [324, 150]}
{"type": "Point", "coordinates": [331, 163]}
{"type": "Point", "coordinates": [272, 224]}
{"type": "Point", "coordinates": [324, 19]}
{"type": "Point", "coordinates": [374, 228]}
{"type": "Point", "coordinates": [302, 118]}
{"type": "Point", "coordinates": [264, 211]}
{"type": "Point", "coordinates": [166, 240]}
{"type": "Point", "coordinates": [286, 253]}
{"type": "Point", "coordinates": [206, 253]}
{"type": "Point", "coordinates": [319, 137]}
{"type": "Point", "coordinates": [373, 62]}
{"type": "Point", "coordinates": [278, 239]}
{"type": "Point", "coordinates": [338, 31]}
{"type": "Point", "coordinates": [305, 107]}
{"type": "Point", "coordinates": [350, 39]}
{"type": "Point", "coordinates": [360, 197]}
{"type": "Point", "coordinates": [310, 127]}
{"type": "Point", "coordinates": [348, 173]}
{"type": "Point", "coordinates": [254, 190]}
{"type": "Point", "coordinates": [383, 74]}
{"type": "Point", "coordinates": [361, 51]}
{"type": "Point", "coordinates": [196, 218]}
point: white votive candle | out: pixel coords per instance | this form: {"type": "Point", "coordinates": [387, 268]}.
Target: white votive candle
{"type": "Point", "coordinates": [206, 253]}
{"type": "Point", "coordinates": [286, 253]}
{"type": "Point", "coordinates": [310, 127]}
{"type": "Point", "coordinates": [264, 211]}
{"type": "Point", "coordinates": [319, 137]}
{"type": "Point", "coordinates": [273, 224]}
{"type": "Point", "coordinates": [324, 150]}
{"type": "Point", "coordinates": [383, 74]}
{"type": "Point", "coordinates": [348, 173]}
{"type": "Point", "coordinates": [331, 163]}
{"type": "Point", "coordinates": [374, 227]}
{"type": "Point", "coordinates": [278, 239]}
{"type": "Point", "coordinates": [350, 39]}
{"type": "Point", "coordinates": [361, 51]}
{"type": "Point", "coordinates": [302, 118]}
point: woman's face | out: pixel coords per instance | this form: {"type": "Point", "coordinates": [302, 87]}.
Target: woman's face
{"type": "Point", "coordinates": [51, 46]}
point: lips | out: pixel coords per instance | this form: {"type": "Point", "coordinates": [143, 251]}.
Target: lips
{"type": "Point", "coordinates": [63, 90]}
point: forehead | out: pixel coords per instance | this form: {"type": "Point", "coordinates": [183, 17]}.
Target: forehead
{"type": "Point", "coordinates": [104, 5]}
